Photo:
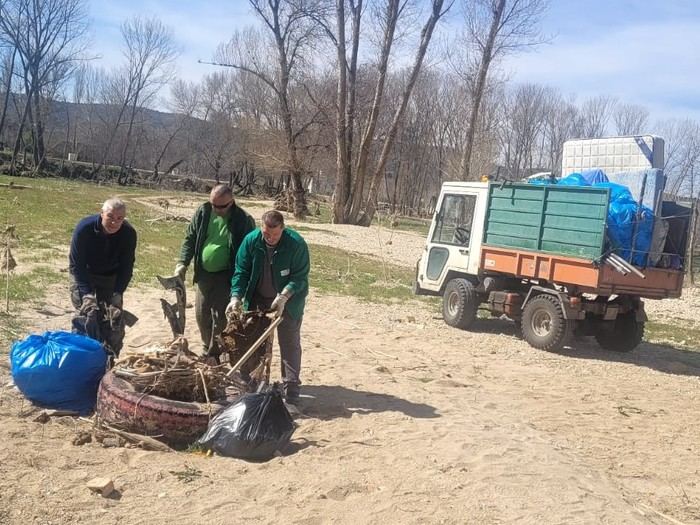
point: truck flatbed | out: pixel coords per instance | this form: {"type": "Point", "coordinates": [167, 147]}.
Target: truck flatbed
{"type": "Point", "coordinates": [584, 274]}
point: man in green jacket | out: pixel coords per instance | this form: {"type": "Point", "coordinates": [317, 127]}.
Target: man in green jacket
{"type": "Point", "coordinates": [212, 239]}
{"type": "Point", "coordinates": [272, 273]}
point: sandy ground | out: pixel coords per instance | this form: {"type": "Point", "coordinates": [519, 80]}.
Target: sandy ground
{"type": "Point", "coordinates": [402, 420]}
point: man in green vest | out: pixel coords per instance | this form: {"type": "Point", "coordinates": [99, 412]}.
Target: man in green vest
{"type": "Point", "coordinates": [272, 273]}
{"type": "Point", "coordinates": [212, 239]}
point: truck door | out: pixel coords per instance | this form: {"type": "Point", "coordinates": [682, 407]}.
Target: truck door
{"type": "Point", "coordinates": [450, 239]}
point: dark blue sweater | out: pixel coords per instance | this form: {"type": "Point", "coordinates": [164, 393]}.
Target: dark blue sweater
{"type": "Point", "coordinates": [92, 251]}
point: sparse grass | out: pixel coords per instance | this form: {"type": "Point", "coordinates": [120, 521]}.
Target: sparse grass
{"type": "Point", "coordinates": [30, 286]}
{"type": "Point", "coordinates": [11, 329]}
{"type": "Point", "coordinates": [301, 228]}
{"type": "Point", "coordinates": [46, 214]}
{"type": "Point", "coordinates": [405, 224]}
{"type": "Point", "coordinates": [326, 215]}
{"type": "Point", "coordinates": [684, 336]}
{"type": "Point", "coordinates": [335, 271]}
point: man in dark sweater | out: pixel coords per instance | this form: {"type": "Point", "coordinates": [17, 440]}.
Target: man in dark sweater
{"type": "Point", "coordinates": [102, 254]}
{"type": "Point", "coordinates": [212, 240]}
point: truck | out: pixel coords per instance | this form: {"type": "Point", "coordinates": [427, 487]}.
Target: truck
{"type": "Point", "coordinates": [541, 255]}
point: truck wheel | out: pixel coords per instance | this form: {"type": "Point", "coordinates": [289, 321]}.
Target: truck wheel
{"type": "Point", "coordinates": [543, 323]}
{"type": "Point", "coordinates": [626, 334]}
{"type": "Point", "coordinates": [459, 303]}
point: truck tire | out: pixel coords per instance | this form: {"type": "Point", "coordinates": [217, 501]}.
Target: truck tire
{"type": "Point", "coordinates": [543, 323]}
{"type": "Point", "coordinates": [459, 303]}
{"type": "Point", "coordinates": [625, 336]}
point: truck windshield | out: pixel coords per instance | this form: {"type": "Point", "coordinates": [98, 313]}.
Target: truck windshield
{"type": "Point", "coordinates": [454, 221]}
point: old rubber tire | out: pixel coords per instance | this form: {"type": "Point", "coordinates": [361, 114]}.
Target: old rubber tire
{"type": "Point", "coordinates": [175, 422]}
{"type": "Point", "coordinates": [459, 303]}
{"type": "Point", "coordinates": [625, 335]}
{"type": "Point", "coordinates": [543, 323]}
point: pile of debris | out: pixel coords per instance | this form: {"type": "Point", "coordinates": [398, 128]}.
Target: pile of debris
{"type": "Point", "coordinates": [239, 338]}
{"type": "Point", "coordinates": [174, 373]}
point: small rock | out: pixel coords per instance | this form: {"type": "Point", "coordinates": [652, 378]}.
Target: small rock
{"type": "Point", "coordinates": [112, 442]}
{"type": "Point", "coordinates": [410, 319]}
{"type": "Point", "coordinates": [42, 417]}
{"type": "Point", "coordinates": [81, 438]}
{"type": "Point", "coordinates": [104, 486]}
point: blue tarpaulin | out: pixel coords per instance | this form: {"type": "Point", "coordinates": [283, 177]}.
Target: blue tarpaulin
{"type": "Point", "coordinates": [623, 214]}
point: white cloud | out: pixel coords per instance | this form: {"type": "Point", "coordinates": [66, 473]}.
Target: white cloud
{"type": "Point", "coordinates": [655, 65]}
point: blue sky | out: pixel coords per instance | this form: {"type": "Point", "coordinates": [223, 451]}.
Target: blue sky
{"type": "Point", "coordinates": [645, 53]}
{"type": "Point", "coordinates": [641, 52]}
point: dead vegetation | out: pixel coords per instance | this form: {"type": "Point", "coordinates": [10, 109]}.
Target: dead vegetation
{"type": "Point", "coordinates": [174, 373]}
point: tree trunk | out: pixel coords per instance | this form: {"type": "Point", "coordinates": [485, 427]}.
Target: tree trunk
{"type": "Point", "coordinates": [341, 125]}
{"type": "Point", "coordinates": [426, 35]}
{"type": "Point", "coordinates": [37, 130]}
{"type": "Point", "coordinates": [357, 193]}
{"type": "Point", "coordinates": [8, 87]}
{"type": "Point", "coordinates": [485, 63]}
{"type": "Point", "coordinates": [18, 139]}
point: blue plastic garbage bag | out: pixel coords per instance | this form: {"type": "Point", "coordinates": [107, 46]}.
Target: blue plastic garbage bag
{"type": "Point", "coordinates": [253, 427]}
{"type": "Point", "coordinates": [59, 370]}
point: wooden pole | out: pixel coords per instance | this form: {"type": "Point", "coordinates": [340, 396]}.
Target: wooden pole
{"type": "Point", "coordinates": [691, 241]}
{"type": "Point", "coordinates": [7, 274]}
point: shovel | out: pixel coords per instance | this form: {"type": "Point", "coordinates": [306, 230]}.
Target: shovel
{"type": "Point", "coordinates": [175, 312]}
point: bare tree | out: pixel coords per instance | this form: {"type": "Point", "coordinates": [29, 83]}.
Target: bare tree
{"type": "Point", "coordinates": [682, 164]}
{"type": "Point", "coordinates": [184, 102]}
{"type": "Point", "coordinates": [494, 29]}
{"type": "Point", "coordinates": [630, 119]}
{"type": "Point", "coordinates": [150, 53]}
{"type": "Point", "coordinates": [595, 115]}
{"type": "Point", "coordinates": [562, 123]}
{"type": "Point", "coordinates": [49, 38]}
{"type": "Point", "coordinates": [216, 125]}
{"type": "Point", "coordinates": [523, 125]}
{"type": "Point", "coordinates": [352, 204]}
{"type": "Point", "coordinates": [8, 67]}
{"type": "Point", "coordinates": [292, 31]}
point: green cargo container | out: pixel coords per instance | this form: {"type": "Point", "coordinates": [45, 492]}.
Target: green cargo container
{"type": "Point", "coordinates": [563, 220]}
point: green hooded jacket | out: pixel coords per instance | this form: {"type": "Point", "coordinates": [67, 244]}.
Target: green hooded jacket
{"type": "Point", "coordinates": [239, 225]}
{"type": "Point", "coordinates": [290, 269]}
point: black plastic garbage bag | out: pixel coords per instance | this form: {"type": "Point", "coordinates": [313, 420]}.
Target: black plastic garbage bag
{"type": "Point", "coordinates": [253, 427]}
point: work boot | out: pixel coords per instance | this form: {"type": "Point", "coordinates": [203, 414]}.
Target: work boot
{"type": "Point", "coordinates": [291, 393]}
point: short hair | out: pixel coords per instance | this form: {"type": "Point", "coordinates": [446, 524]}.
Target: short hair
{"type": "Point", "coordinates": [272, 219]}
{"type": "Point", "coordinates": [220, 190]}
{"type": "Point", "coordinates": [114, 204]}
